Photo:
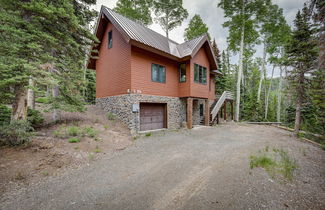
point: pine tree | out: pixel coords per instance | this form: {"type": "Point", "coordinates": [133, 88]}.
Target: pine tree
{"type": "Point", "coordinates": [302, 54]}
{"type": "Point", "coordinates": [317, 8]}
{"type": "Point", "coordinates": [137, 10]}
{"type": "Point", "coordinates": [169, 14]}
{"type": "Point", "coordinates": [47, 40]}
{"type": "Point", "coordinates": [196, 28]}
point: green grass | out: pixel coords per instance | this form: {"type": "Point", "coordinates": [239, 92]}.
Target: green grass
{"type": "Point", "coordinates": [110, 116]}
{"type": "Point", "coordinates": [43, 100]}
{"type": "Point", "coordinates": [148, 134]}
{"type": "Point", "coordinates": [91, 132]}
{"type": "Point", "coordinates": [106, 127]}
{"type": "Point", "coordinates": [275, 162]}
{"type": "Point", "coordinates": [73, 140]}
{"type": "Point", "coordinates": [73, 131]}
{"type": "Point", "coordinates": [97, 150]}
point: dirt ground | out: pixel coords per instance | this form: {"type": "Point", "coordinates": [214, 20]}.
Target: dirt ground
{"type": "Point", "coordinates": [202, 168]}
{"type": "Point", "coordinates": [47, 155]}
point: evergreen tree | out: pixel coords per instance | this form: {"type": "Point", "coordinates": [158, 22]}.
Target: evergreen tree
{"type": "Point", "coordinates": [170, 14]}
{"type": "Point", "coordinates": [216, 51]}
{"type": "Point", "coordinates": [137, 10]}
{"type": "Point", "coordinates": [47, 40]}
{"type": "Point", "coordinates": [302, 54]}
{"type": "Point", "coordinates": [317, 8]}
{"type": "Point", "coordinates": [196, 28]}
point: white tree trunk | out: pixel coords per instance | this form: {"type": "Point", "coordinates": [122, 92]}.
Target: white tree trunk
{"type": "Point", "coordinates": [262, 73]}
{"type": "Point", "coordinates": [31, 94]}
{"type": "Point", "coordinates": [240, 71]}
{"type": "Point", "coordinates": [278, 110]}
{"type": "Point", "coordinates": [268, 94]}
{"type": "Point", "coordinates": [56, 115]}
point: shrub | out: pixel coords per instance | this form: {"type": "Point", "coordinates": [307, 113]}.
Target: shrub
{"type": "Point", "coordinates": [322, 145]}
{"type": "Point", "coordinates": [5, 115]}
{"type": "Point", "coordinates": [110, 116]}
{"type": "Point", "coordinates": [90, 132]}
{"type": "Point", "coordinates": [16, 133]}
{"type": "Point", "coordinates": [73, 131]}
{"type": "Point", "coordinates": [35, 118]}
{"type": "Point", "coordinates": [43, 100]}
{"type": "Point", "coordinates": [74, 140]}
{"type": "Point", "coordinates": [148, 134]}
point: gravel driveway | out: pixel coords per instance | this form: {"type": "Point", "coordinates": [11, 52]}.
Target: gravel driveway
{"type": "Point", "coordinates": [205, 168]}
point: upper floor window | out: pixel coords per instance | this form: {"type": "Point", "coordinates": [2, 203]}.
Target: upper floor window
{"type": "Point", "coordinates": [158, 73]}
{"type": "Point", "coordinates": [200, 74]}
{"type": "Point", "coordinates": [110, 39]}
{"type": "Point", "coordinates": [182, 72]}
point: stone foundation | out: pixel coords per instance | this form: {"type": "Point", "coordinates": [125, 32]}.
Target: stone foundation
{"type": "Point", "coordinates": [121, 106]}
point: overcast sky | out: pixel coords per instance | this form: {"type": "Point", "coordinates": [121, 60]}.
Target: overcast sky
{"type": "Point", "coordinates": [213, 17]}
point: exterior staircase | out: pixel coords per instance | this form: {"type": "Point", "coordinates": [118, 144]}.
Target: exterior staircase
{"type": "Point", "coordinates": [217, 105]}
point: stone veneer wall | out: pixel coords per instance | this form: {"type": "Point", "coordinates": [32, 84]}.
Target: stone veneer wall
{"type": "Point", "coordinates": [196, 111]}
{"type": "Point", "coordinates": [121, 106]}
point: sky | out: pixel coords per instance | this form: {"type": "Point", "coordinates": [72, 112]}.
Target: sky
{"type": "Point", "coordinates": [214, 18]}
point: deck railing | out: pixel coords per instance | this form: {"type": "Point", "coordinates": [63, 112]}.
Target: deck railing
{"type": "Point", "coordinates": [226, 95]}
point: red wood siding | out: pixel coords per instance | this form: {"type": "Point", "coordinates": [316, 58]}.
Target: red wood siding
{"type": "Point", "coordinates": [113, 68]}
{"type": "Point", "coordinates": [200, 90]}
{"type": "Point", "coordinates": [141, 62]}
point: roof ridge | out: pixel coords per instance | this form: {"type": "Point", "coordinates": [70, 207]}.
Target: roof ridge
{"type": "Point", "coordinates": [111, 10]}
{"type": "Point", "coordinates": [200, 36]}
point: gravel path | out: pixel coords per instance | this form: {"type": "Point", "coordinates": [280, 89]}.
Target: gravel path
{"type": "Point", "coordinates": [205, 168]}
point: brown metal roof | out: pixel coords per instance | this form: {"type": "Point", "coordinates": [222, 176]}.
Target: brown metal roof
{"type": "Point", "coordinates": [135, 32]}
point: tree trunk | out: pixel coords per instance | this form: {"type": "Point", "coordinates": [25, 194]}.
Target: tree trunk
{"type": "Point", "coordinates": [31, 94]}
{"type": "Point", "coordinates": [263, 73]}
{"type": "Point", "coordinates": [278, 110]}
{"type": "Point", "coordinates": [19, 106]}
{"type": "Point", "coordinates": [298, 115]}
{"type": "Point", "coordinates": [240, 70]}
{"type": "Point", "coordinates": [268, 95]}
{"type": "Point", "coordinates": [56, 115]}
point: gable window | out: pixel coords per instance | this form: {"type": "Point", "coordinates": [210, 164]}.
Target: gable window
{"type": "Point", "coordinates": [158, 73]}
{"type": "Point", "coordinates": [110, 39]}
{"type": "Point", "coordinates": [182, 72]}
{"type": "Point", "coordinates": [200, 74]}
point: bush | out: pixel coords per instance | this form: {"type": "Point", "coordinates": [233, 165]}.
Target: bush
{"type": "Point", "coordinates": [91, 132]}
{"type": "Point", "coordinates": [35, 118]}
{"type": "Point", "coordinates": [74, 140]}
{"type": "Point", "coordinates": [110, 116]}
{"type": "Point", "coordinates": [43, 100]}
{"type": "Point", "coordinates": [5, 115]}
{"type": "Point", "coordinates": [73, 131]}
{"type": "Point", "coordinates": [16, 133]}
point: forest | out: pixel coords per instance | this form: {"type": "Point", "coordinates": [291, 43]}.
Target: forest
{"type": "Point", "coordinates": [45, 46]}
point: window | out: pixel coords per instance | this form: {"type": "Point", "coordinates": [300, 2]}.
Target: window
{"type": "Point", "coordinates": [182, 72]}
{"type": "Point", "coordinates": [158, 73]}
{"type": "Point", "coordinates": [200, 74]}
{"type": "Point", "coordinates": [110, 39]}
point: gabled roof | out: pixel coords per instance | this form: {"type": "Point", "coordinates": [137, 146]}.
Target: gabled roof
{"type": "Point", "coordinates": [139, 35]}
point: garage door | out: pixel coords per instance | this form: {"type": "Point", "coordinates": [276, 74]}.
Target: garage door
{"type": "Point", "coordinates": [152, 116]}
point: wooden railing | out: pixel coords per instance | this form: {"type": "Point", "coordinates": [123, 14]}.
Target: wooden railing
{"type": "Point", "coordinates": [226, 95]}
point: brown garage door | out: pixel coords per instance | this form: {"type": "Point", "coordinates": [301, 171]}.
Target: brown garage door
{"type": "Point", "coordinates": [152, 116]}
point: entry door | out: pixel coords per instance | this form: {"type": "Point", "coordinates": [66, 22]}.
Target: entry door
{"type": "Point", "coordinates": [152, 116]}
